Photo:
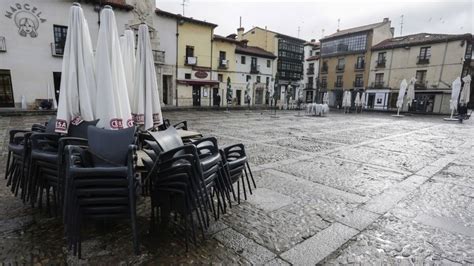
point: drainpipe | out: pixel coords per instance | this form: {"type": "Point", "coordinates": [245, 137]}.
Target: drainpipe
{"type": "Point", "coordinates": [176, 68]}
{"type": "Point", "coordinates": [210, 71]}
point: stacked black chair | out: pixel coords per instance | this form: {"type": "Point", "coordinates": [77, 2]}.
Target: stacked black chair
{"type": "Point", "coordinates": [236, 165]}
{"type": "Point", "coordinates": [46, 170]}
{"type": "Point", "coordinates": [19, 155]}
{"type": "Point", "coordinates": [215, 177]}
{"type": "Point", "coordinates": [100, 182]}
{"type": "Point", "coordinates": [177, 187]}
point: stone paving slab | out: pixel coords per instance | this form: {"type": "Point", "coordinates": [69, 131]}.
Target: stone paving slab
{"type": "Point", "coordinates": [319, 246]}
{"type": "Point", "coordinates": [347, 176]}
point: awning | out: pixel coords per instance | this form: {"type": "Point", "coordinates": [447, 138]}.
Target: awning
{"type": "Point", "coordinates": [197, 82]}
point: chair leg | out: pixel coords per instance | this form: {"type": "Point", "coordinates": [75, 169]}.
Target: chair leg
{"type": "Point", "coordinates": [251, 175]}
{"type": "Point", "coordinates": [238, 191]}
{"type": "Point", "coordinates": [243, 186]}
{"type": "Point", "coordinates": [8, 168]}
{"type": "Point", "coordinates": [248, 181]}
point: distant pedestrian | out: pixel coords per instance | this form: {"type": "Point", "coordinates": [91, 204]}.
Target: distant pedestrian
{"type": "Point", "coordinates": [218, 100]}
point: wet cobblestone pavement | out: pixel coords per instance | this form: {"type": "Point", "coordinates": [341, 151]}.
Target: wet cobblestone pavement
{"type": "Point", "coordinates": [341, 189]}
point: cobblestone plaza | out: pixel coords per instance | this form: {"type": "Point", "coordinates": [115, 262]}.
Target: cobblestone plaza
{"type": "Point", "coordinates": [355, 188]}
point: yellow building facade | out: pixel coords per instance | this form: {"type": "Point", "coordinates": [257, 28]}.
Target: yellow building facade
{"type": "Point", "coordinates": [195, 60]}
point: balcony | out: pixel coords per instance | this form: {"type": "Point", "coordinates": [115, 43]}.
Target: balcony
{"type": "Point", "coordinates": [223, 63]}
{"type": "Point", "coordinates": [359, 66]}
{"type": "Point", "coordinates": [338, 84]}
{"type": "Point", "coordinates": [380, 63]}
{"type": "Point", "coordinates": [254, 69]}
{"type": "Point", "coordinates": [324, 85]}
{"type": "Point", "coordinates": [56, 50]}
{"type": "Point", "coordinates": [340, 68]}
{"type": "Point", "coordinates": [324, 69]}
{"type": "Point", "coordinates": [158, 56]}
{"type": "Point", "coordinates": [358, 84]}
{"type": "Point", "coordinates": [422, 60]}
{"type": "Point", "coordinates": [310, 71]}
{"type": "Point", "coordinates": [421, 85]}
{"type": "Point", "coordinates": [309, 86]}
{"type": "Point", "coordinates": [190, 60]}
{"type": "Point", "coordinates": [3, 44]}
{"type": "Point", "coordinates": [377, 85]}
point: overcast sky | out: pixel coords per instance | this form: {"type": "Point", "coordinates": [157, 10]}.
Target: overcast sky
{"type": "Point", "coordinates": [312, 17]}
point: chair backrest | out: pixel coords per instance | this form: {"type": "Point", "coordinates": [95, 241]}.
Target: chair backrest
{"type": "Point", "coordinates": [109, 147]}
{"type": "Point", "coordinates": [51, 125]}
{"type": "Point", "coordinates": [80, 131]}
{"type": "Point", "coordinates": [167, 139]}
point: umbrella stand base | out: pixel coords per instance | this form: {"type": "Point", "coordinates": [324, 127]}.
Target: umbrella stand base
{"type": "Point", "coordinates": [450, 119]}
{"type": "Point", "coordinates": [398, 116]}
{"type": "Point", "coordinates": [274, 116]}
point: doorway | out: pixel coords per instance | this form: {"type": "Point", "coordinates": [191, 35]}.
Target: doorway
{"type": "Point", "coordinates": [215, 100]}
{"type": "Point", "coordinates": [6, 91]}
{"type": "Point", "coordinates": [196, 95]}
{"type": "Point", "coordinates": [57, 84]}
{"type": "Point", "coordinates": [239, 94]}
{"type": "Point", "coordinates": [166, 88]}
{"type": "Point", "coordinates": [370, 101]}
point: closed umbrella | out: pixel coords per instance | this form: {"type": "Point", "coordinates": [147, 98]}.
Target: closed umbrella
{"type": "Point", "coordinates": [466, 91]}
{"type": "Point", "coordinates": [401, 95]}
{"type": "Point", "coordinates": [411, 92]}
{"type": "Point", "coordinates": [112, 94]}
{"type": "Point", "coordinates": [357, 99]}
{"type": "Point", "coordinates": [78, 83]}
{"type": "Point", "coordinates": [146, 106]}
{"type": "Point", "coordinates": [344, 100]}
{"type": "Point", "coordinates": [127, 46]}
{"type": "Point", "coordinates": [362, 100]}
{"type": "Point", "coordinates": [326, 98]}
{"type": "Point", "coordinates": [455, 90]}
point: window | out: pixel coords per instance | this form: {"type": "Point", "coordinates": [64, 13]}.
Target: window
{"type": "Point", "coordinates": [324, 68]}
{"type": "Point", "coordinates": [358, 82]}
{"type": "Point", "coordinates": [381, 59]}
{"type": "Point", "coordinates": [360, 62]}
{"type": "Point", "coordinates": [60, 33]}
{"type": "Point", "coordinates": [220, 77]}
{"type": "Point", "coordinates": [254, 62]}
{"type": "Point", "coordinates": [189, 51]}
{"type": "Point", "coordinates": [248, 78]}
{"type": "Point", "coordinates": [468, 51]}
{"type": "Point", "coordinates": [421, 78]}
{"type": "Point", "coordinates": [349, 44]}
{"type": "Point", "coordinates": [310, 52]}
{"type": "Point", "coordinates": [269, 63]}
{"type": "Point", "coordinates": [340, 64]}
{"type": "Point", "coordinates": [222, 55]}
{"type": "Point", "coordinates": [187, 76]}
{"type": "Point", "coordinates": [338, 81]}
{"type": "Point", "coordinates": [324, 83]}
{"type": "Point", "coordinates": [267, 81]}
{"type": "Point", "coordinates": [258, 79]}
{"type": "Point", "coordinates": [378, 80]}
{"type": "Point", "coordinates": [242, 60]}
{"type": "Point", "coordinates": [6, 92]}
{"type": "Point", "coordinates": [425, 54]}
{"type": "Point", "coordinates": [310, 83]}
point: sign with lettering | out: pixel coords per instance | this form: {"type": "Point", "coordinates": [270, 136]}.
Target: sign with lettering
{"type": "Point", "coordinates": [27, 18]}
{"type": "Point", "coordinates": [200, 74]}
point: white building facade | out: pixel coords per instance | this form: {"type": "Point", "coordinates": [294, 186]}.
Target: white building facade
{"type": "Point", "coordinates": [32, 37]}
{"type": "Point", "coordinates": [254, 73]}
{"type": "Point", "coordinates": [311, 68]}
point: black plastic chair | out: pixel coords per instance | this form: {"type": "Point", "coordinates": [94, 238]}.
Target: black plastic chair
{"type": "Point", "coordinates": [236, 164]}
{"type": "Point", "coordinates": [177, 186]}
{"type": "Point", "coordinates": [19, 155]}
{"type": "Point", "coordinates": [100, 182]}
{"type": "Point", "coordinates": [46, 170]}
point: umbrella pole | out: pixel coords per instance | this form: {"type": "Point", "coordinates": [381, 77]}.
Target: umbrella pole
{"type": "Point", "coordinates": [452, 113]}
{"type": "Point", "coordinates": [398, 111]}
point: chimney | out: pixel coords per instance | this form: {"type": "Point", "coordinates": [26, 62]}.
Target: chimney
{"type": "Point", "coordinates": [392, 30]}
{"type": "Point", "coordinates": [240, 33]}
{"type": "Point", "coordinates": [244, 42]}
{"type": "Point", "coordinates": [232, 36]}
{"type": "Point", "coordinates": [385, 20]}
{"type": "Point", "coordinates": [313, 40]}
